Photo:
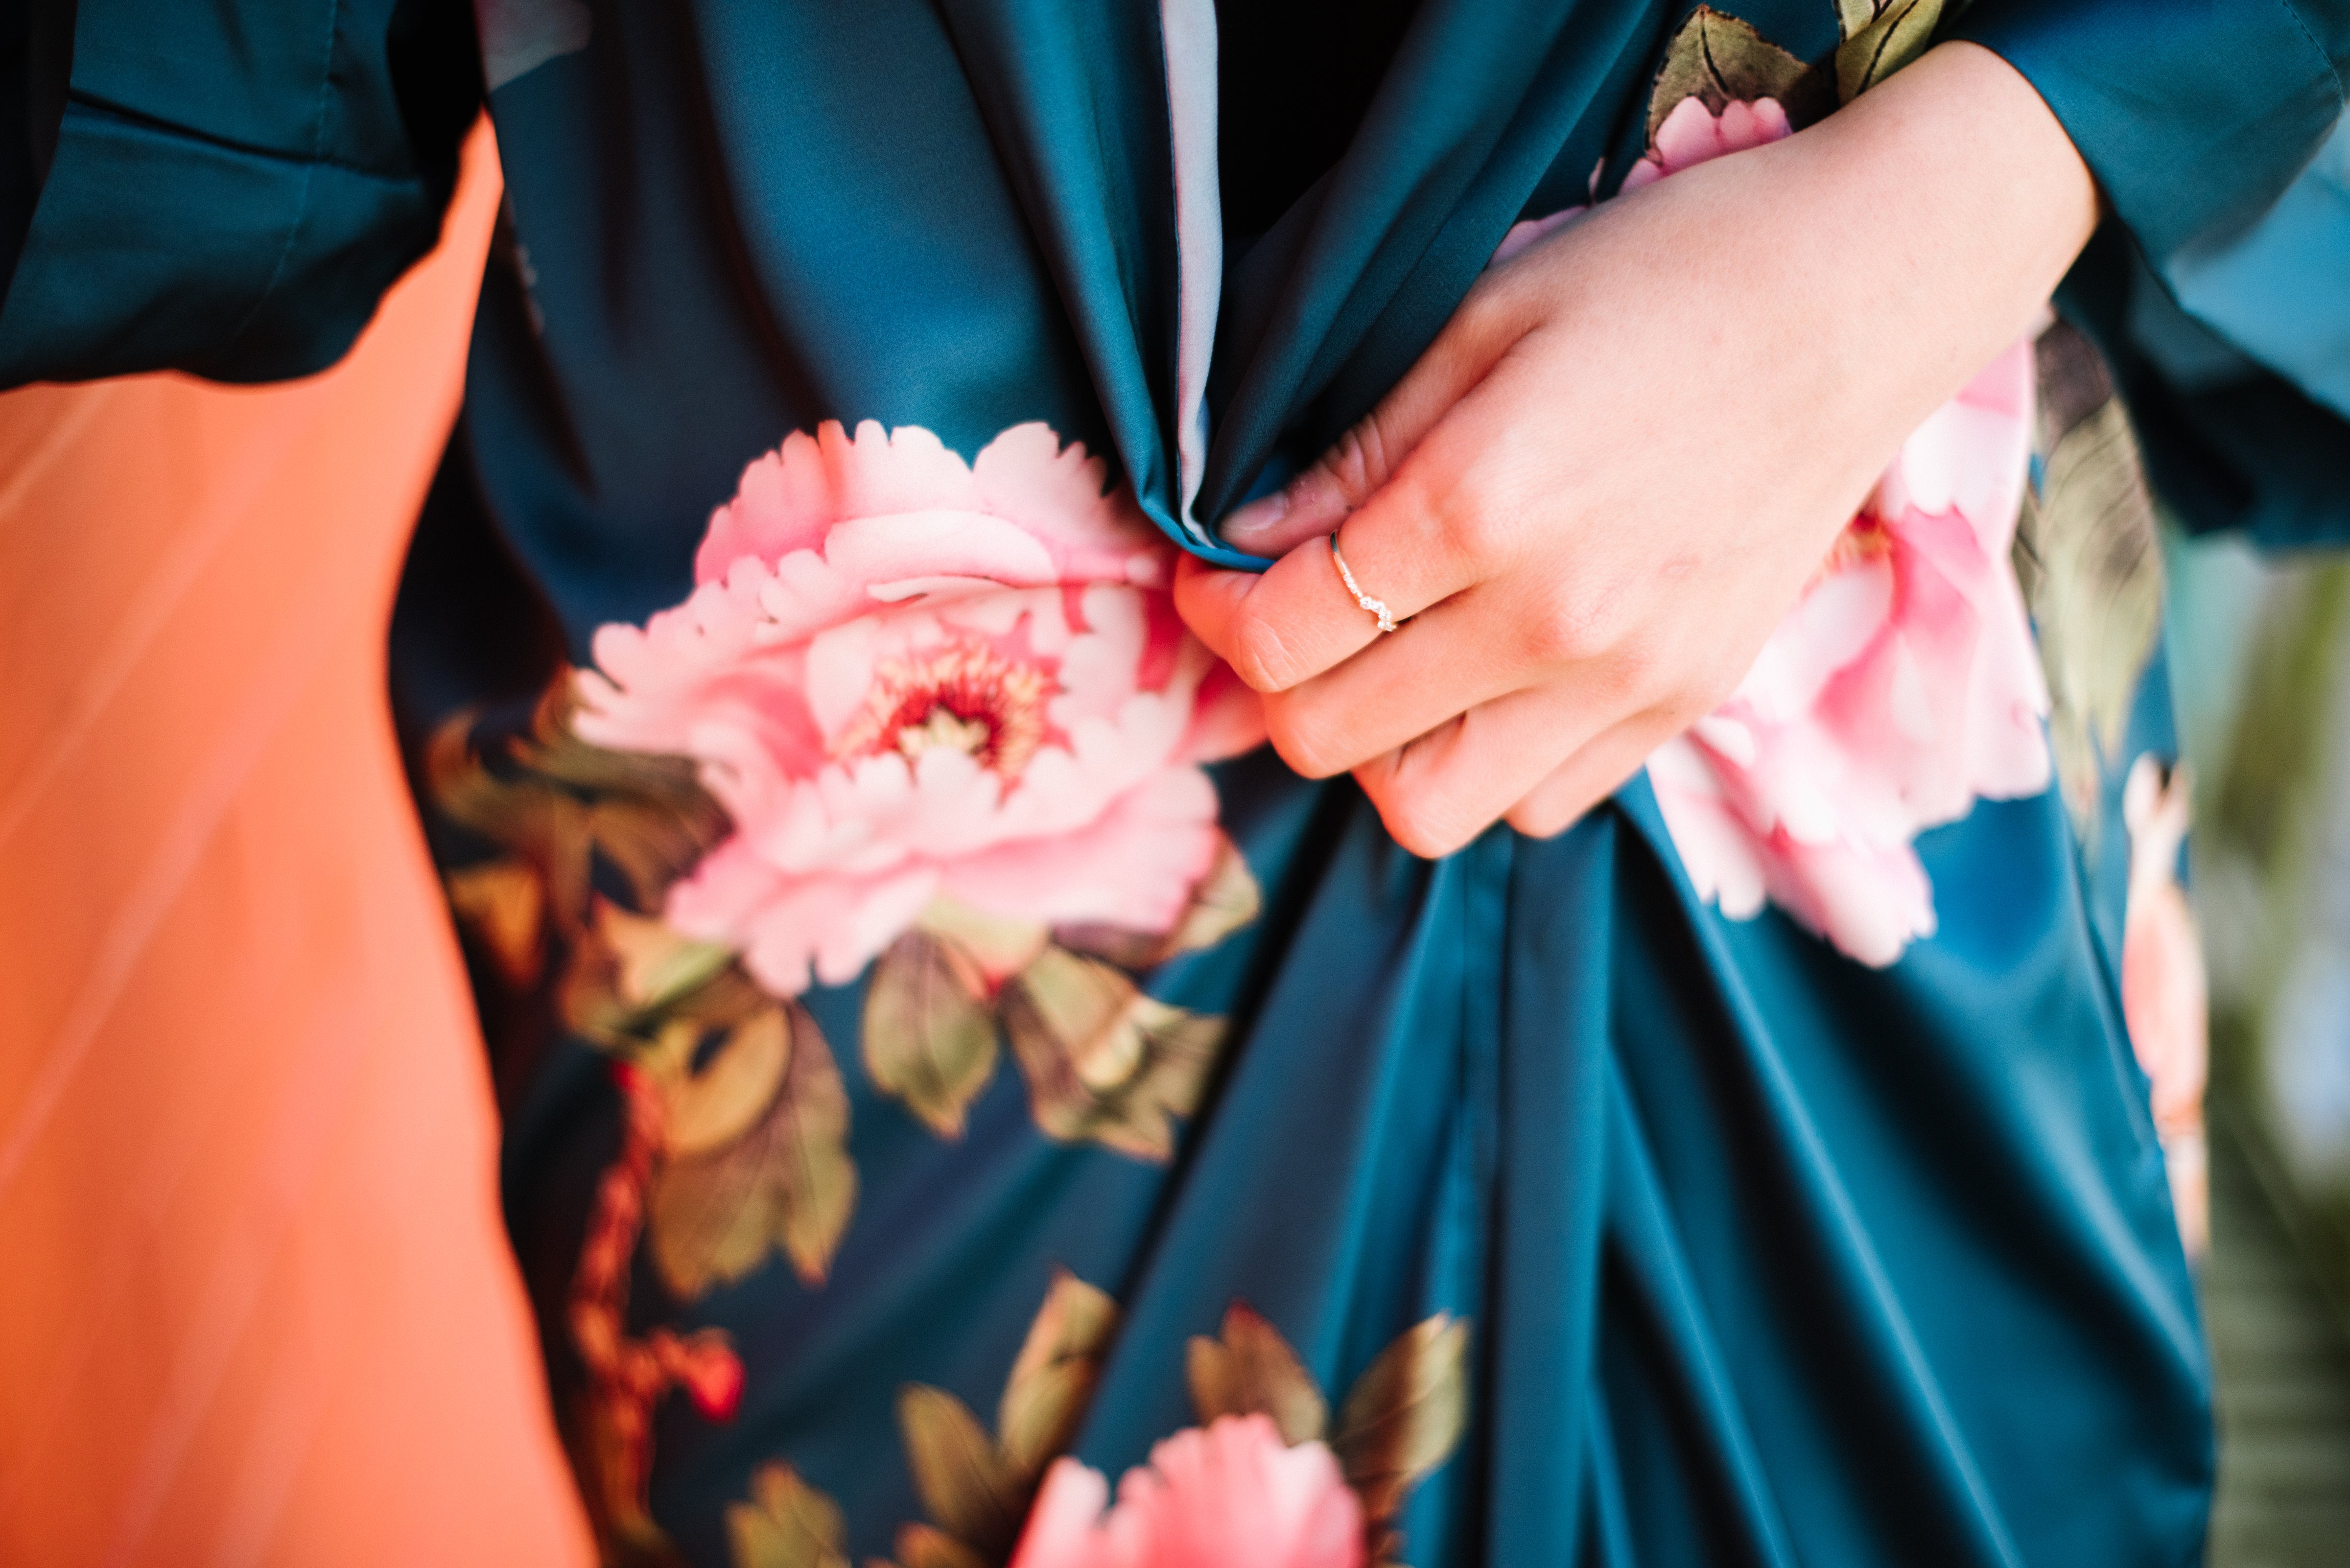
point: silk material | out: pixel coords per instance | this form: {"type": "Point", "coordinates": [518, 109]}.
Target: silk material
{"type": "Point", "coordinates": [2241, 433]}
{"type": "Point", "coordinates": [246, 1139]}
{"type": "Point", "coordinates": [1767, 1258]}
{"type": "Point", "coordinates": [2241, 381]}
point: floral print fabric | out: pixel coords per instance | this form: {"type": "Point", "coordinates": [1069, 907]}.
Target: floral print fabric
{"type": "Point", "coordinates": [906, 679]}
{"type": "Point", "coordinates": [922, 773]}
{"type": "Point", "coordinates": [933, 721]}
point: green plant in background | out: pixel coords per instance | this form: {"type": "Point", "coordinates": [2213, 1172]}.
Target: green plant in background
{"type": "Point", "coordinates": [2272, 862]}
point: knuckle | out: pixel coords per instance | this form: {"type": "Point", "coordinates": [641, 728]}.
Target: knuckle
{"type": "Point", "coordinates": [1259, 656]}
{"type": "Point", "coordinates": [1487, 317]}
{"type": "Point", "coordinates": [1423, 821]}
{"type": "Point", "coordinates": [1545, 819]}
{"type": "Point", "coordinates": [1530, 822]}
{"type": "Point", "coordinates": [1470, 527]}
{"type": "Point", "coordinates": [1305, 746]}
{"type": "Point", "coordinates": [1628, 679]}
{"type": "Point", "coordinates": [1567, 630]}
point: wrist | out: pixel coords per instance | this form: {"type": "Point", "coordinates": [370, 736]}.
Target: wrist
{"type": "Point", "coordinates": [1895, 248]}
{"type": "Point", "coordinates": [1961, 199]}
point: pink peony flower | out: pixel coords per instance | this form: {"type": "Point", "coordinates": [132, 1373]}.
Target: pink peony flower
{"type": "Point", "coordinates": [905, 677]}
{"type": "Point", "coordinates": [2163, 990]}
{"type": "Point", "coordinates": [1689, 135]}
{"type": "Point", "coordinates": [1692, 135]}
{"type": "Point", "coordinates": [1229, 1496]}
{"type": "Point", "coordinates": [1902, 687]}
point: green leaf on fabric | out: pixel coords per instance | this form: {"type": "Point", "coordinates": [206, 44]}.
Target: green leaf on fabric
{"type": "Point", "coordinates": [977, 1489]}
{"type": "Point", "coordinates": [1405, 1415]}
{"type": "Point", "coordinates": [630, 973]}
{"type": "Point", "coordinates": [928, 1033]}
{"type": "Point", "coordinates": [966, 1487]}
{"type": "Point", "coordinates": [503, 903]}
{"type": "Point", "coordinates": [1250, 1369]}
{"type": "Point", "coordinates": [997, 946]}
{"type": "Point", "coordinates": [787, 1523]}
{"type": "Point", "coordinates": [1720, 60]}
{"type": "Point", "coordinates": [529, 818]}
{"type": "Point", "coordinates": [1103, 1061]}
{"type": "Point", "coordinates": [649, 814]}
{"type": "Point", "coordinates": [710, 1110]}
{"type": "Point", "coordinates": [1898, 32]}
{"type": "Point", "coordinates": [554, 800]}
{"type": "Point", "coordinates": [921, 1546]}
{"type": "Point", "coordinates": [1054, 1377]}
{"type": "Point", "coordinates": [2089, 557]}
{"type": "Point", "coordinates": [655, 841]}
{"type": "Point", "coordinates": [1227, 899]}
{"type": "Point", "coordinates": [657, 966]}
{"type": "Point", "coordinates": [785, 1183]}
{"type": "Point", "coordinates": [1854, 15]}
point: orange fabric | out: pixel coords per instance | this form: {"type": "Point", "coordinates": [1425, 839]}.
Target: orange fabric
{"type": "Point", "coordinates": [258, 1308]}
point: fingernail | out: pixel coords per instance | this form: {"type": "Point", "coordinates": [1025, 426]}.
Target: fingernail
{"type": "Point", "coordinates": [1257, 519]}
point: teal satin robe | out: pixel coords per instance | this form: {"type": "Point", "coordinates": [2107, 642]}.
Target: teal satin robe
{"type": "Point", "coordinates": [1767, 1257]}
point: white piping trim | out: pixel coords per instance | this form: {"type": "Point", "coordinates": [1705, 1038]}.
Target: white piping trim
{"type": "Point", "coordinates": [1189, 29]}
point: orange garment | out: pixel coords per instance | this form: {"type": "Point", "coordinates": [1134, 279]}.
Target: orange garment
{"type": "Point", "coordinates": [258, 1306]}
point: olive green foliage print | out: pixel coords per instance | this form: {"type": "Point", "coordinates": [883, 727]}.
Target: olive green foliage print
{"type": "Point", "coordinates": [1104, 1061]}
{"type": "Point", "coordinates": [1720, 60]}
{"type": "Point", "coordinates": [1400, 1421]}
{"type": "Point", "coordinates": [2089, 558]}
{"type": "Point", "coordinates": [1880, 37]}
{"type": "Point", "coordinates": [976, 1487]}
{"type": "Point", "coordinates": [752, 1159]}
{"type": "Point", "coordinates": [736, 1118]}
{"type": "Point", "coordinates": [787, 1523]}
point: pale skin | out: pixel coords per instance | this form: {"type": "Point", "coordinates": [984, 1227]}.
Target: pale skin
{"type": "Point", "coordinates": [1620, 462]}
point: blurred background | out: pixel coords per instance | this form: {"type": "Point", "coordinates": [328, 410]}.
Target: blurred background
{"type": "Point", "coordinates": [2259, 654]}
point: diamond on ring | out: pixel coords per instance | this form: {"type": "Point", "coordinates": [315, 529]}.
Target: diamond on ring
{"type": "Point", "coordinates": [1377, 607]}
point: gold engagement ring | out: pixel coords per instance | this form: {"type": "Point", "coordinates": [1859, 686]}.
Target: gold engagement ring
{"type": "Point", "coordinates": [1378, 607]}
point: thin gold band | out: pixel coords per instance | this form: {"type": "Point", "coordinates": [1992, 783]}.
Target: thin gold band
{"type": "Point", "coordinates": [1377, 607]}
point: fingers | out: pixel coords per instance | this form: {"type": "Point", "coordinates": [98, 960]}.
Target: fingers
{"type": "Point", "coordinates": [1370, 454]}
{"type": "Point", "coordinates": [1454, 514]}
{"type": "Point", "coordinates": [1340, 479]}
{"type": "Point", "coordinates": [1296, 619]}
{"type": "Point", "coordinates": [1393, 692]}
{"type": "Point", "coordinates": [1589, 776]}
{"type": "Point", "coordinates": [1440, 793]}
{"type": "Point", "coordinates": [1449, 785]}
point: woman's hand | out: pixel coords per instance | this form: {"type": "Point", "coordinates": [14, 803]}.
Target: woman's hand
{"type": "Point", "coordinates": [1614, 472]}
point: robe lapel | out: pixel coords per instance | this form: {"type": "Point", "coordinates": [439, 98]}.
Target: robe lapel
{"type": "Point", "coordinates": [1329, 308]}
{"type": "Point", "coordinates": [1075, 95]}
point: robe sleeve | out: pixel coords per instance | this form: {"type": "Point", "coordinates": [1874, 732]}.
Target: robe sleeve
{"type": "Point", "coordinates": [225, 187]}
{"type": "Point", "coordinates": [2203, 121]}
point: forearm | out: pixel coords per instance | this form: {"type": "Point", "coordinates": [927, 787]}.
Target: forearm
{"type": "Point", "coordinates": [1846, 280]}
{"type": "Point", "coordinates": [1881, 257]}
{"type": "Point", "coordinates": [1943, 208]}
{"type": "Point", "coordinates": [1635, 446]}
